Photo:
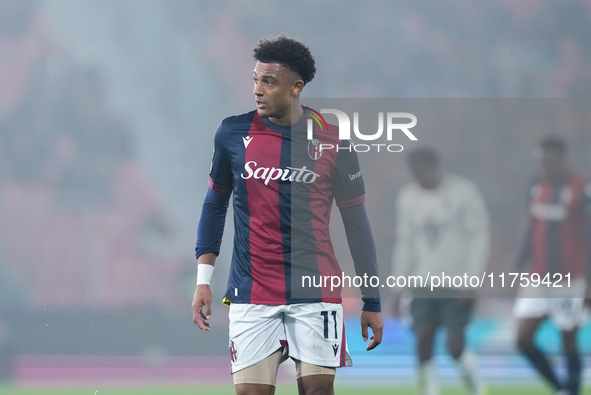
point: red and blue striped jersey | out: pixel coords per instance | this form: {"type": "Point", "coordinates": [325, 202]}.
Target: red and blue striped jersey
{"type": "Point", "coordinates": [283, 189]}
{"type": "Point", "coordinates": [559, 235]}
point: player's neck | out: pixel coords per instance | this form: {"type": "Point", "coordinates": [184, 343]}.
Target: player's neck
{"type": "Point", "coordinates": [291, 118]}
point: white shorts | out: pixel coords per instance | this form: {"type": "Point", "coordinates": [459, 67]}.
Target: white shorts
{"type": "Point", "coordinates": [566, 311]}
{"type": "Point", "coordinates": [309, 332]}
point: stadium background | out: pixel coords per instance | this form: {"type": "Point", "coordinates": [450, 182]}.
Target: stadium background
{"type": "Point", "coordinates": [107, 112]}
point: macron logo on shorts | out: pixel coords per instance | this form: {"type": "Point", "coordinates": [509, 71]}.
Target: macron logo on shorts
{"type": "Point", "coordinates": [335, 348]}
{"type": "Point", "coordinates": [247, 140]}
{"type": "Point", "coordinates": [233, 352]}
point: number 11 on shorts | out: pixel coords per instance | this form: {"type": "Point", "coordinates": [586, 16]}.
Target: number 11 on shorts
{"type": "Point", "coordinates": [334, 317]}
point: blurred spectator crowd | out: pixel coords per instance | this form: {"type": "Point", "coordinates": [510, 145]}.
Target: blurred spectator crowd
{"type": "Point", "coordinates": [425, 48]}
{"type": "Point", "coordinates": [81, 223]}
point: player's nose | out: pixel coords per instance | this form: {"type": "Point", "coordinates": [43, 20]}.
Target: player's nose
{"type": "Point", "coordinates": [258, 90]}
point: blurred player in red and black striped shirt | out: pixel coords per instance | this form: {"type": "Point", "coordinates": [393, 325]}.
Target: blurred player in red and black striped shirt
{"type": "Point", "coordinates": [558, 249]}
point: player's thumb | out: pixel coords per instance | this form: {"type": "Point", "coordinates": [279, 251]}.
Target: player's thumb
{"type": "Point", "coordinates": [364, 332]}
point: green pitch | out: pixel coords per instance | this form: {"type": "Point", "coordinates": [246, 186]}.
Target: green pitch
{"type": "Point", "coordinates": [227, 390]}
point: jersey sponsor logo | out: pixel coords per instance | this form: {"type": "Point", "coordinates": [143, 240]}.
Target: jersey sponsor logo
{"type": "Point", "coordinates": [247, 140]}
{"type": "Point", "coordinates": [268, 174]}
{"type": "Point", "coordinates": [314, 149]}
{"type": "Point", "coordinates": [233, 352]}
{"type": "Point", "coordinates": [566, 194]}
{"type": "Point", "coordinates": [355, 176]}
{"type": "Point", "coordinates": [335, 348]}
{"type": "Point", "coordinates": [548, 212]}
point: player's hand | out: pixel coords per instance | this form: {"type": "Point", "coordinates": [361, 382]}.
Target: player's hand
{"type": "Point", "coordinates": [373, 320]}
{"type": "Point", "coordinates": [202, 300]}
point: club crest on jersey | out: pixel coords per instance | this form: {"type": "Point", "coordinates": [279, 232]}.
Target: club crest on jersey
{"type": "Point", "coordinates": [233, 352]}
{"type": "Point", "coordinates": [314, 149]}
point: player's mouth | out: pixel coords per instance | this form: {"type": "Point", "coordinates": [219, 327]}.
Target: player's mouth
{"type": "Point", "coordinates": [260, 104]}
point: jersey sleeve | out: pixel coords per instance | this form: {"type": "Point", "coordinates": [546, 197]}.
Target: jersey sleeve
{"type": "Point", "coordinates": [213, 213]}
{"type": "Point", "coordinates": [363, 251]}
{"type": "Point", "coordinates": [220, 172]}
{"type": "Point", "coordinates": [211, 223]}
{"type": "Point", "coordinates": [348, 186]}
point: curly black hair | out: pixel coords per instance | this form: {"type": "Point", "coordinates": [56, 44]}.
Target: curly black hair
{"type": "Point", "coordinates": [289, 52]}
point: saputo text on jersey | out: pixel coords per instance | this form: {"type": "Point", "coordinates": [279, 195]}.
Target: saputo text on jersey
{"type": "Point", "coordinates": [294, 174]}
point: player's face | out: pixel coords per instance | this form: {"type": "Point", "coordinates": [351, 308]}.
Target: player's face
{"type": "Point", "coordinates": [274, 88]}
{"type": "Point", "coordinates": [427, 176]}
{"type": "Point", "coordinates": [553, 164]}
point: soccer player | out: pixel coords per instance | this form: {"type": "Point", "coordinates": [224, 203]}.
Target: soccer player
{"type": "Point", "coordinates": [283, 189]}
{"type": "Point", "coordinates": [442, 226]}
{"type": "Point", "coordinates": [557, 244]}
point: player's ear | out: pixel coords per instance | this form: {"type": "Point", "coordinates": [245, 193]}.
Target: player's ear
{"type": "Point", "coordinates": [297, 87]}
